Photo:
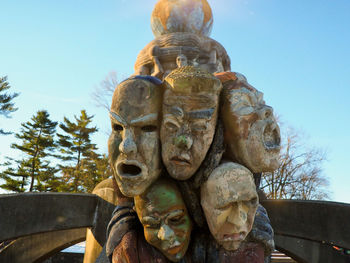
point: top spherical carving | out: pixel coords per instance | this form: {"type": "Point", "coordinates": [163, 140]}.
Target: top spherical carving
{"type": "Point", "coordinates": [170, 16]}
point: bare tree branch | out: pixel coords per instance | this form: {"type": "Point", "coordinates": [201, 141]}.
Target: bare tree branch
{"type": "Point", "coordinates": [102, 94]}
{"type": "Point", "coordinates": [300, 174]}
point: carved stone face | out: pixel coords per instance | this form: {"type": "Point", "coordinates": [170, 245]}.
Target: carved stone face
{"type": "Point", "coordinates": [229, 201]}
{"type": "Point", "coordinates": [163, 214]}
{"type": "Point", "coordinates": [252, 134]}
{"type": "Point", "coordinates": [134, 149]}
{"type": "Point", "coordinates": [181, 61]}
{"type": "Point", "coordinates": [188, 125]}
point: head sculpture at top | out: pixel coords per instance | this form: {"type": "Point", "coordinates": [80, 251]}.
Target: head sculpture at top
{"type": "Point", "coordinates": [252, 134]}
{"type": "Point", "coordinates": [134, 149]}
{"type": "Point", "coordinates": [193, 16]}
{"type": "Point", "coordinates": [182, 29]}
{"type": "Point", "coordinates": [190, 109]}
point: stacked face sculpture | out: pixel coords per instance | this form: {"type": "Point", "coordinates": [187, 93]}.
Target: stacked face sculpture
{"type": "Point", "coordinates": [163, 133]}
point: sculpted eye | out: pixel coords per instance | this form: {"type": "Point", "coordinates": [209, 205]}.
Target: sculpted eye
{"type": "Point", "coordinates": [170, 126]}
{"type": "Point", "coordinates": [223, 208]}
{"type": "Point", "coordinates": [199, 126]}
{"type": "Point", "coordinates": [152, 226]}
{"type": "Point", "coordinates": [149, 128]}
{"type": "Point", "coordinates": [175, 220]}
{"type": "Point", "coordinates": [254, 201]}
{"type": "Point", "coordinates": [150, 222]}
{"type": "Point", "coordinates": [117, 128]}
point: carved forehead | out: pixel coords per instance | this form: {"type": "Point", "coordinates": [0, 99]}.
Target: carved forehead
{"type": "Point", "coordinates": [136, 97]}
{"type": "Point", "coordinates": [229, 182]}
{"type": "Point", "coordinates": [162, 196]}
{"type": "Point", "coordinates": [187, 102]}
{"type": "Point", "coordinates": [236, 95]}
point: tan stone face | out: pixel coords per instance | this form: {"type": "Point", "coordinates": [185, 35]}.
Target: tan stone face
{"type": "Point", "coordinates": [187, 131]}
{"type": "Point", "coordinates": [134, 116]}
{"type": "Point", "coordinates": [252, 134]}
{"type": "Point", "coordinates": [163, 214]}
{"type": "Point", "coordinates": [181, 61]}
{"type": "Point", "coordinates": [229, 201]}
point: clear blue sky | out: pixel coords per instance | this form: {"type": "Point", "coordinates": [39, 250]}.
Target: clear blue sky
{"type": "Point", "coordinates": [295, 51]}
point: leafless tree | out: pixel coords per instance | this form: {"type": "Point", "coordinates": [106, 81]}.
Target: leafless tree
{"type": "Point", "coordinates": [300, 174]}
{"type": "Point", "coordinates": [102, 95]}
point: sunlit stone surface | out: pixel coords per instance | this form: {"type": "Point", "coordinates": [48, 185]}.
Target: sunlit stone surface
{"type": "Point", "coordinates": [170, 16]}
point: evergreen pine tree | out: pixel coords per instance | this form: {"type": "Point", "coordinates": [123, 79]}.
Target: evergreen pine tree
{"type": "Point", "coordinates": [34, 169]}
{"type": "Point", "coordinates": [80, 170]}
{"type": "Point", "coordinates": [6, 104]}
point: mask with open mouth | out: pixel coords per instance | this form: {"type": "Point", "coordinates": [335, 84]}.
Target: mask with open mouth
{"type": "Point", "coordinates": [134, 147]}
{"type": "Point", "coordinates": [252, 134]}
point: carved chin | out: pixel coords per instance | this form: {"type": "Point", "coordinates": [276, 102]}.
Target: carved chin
{"type": "Point", "coordinates": [179, 172]}
{"type": "Point", "coordinates": [233, 245]}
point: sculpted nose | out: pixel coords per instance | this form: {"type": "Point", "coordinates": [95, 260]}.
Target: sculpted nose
{"type": "Point", "coordinates": [238, 215]}
{"type": "Point", "coordinates": [165, 233]}
{"type": "Point", "coordinates": [184, 142]}
{"type": "Point", "coordinates": [128, 144]}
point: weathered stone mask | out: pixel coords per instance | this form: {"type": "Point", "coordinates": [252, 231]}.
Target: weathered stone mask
{"type": "Point", "coordinates": [163, 214]}
{"type": "Point", "coordinates": [190, 108]}
{"type": "Point", "coordinates": [133, 146]}
{"type": "Point", "coordinates": [252, 134]}
{"type": "Point", "coordinates": [229, 201]}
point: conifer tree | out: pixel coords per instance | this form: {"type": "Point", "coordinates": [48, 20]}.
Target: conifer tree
{"type": "Point", "coordinates": [79, 154]}
{"type": "Point", "coordinates": [34, 169]}
{"type": "Point", "coordinates": [6, 103]}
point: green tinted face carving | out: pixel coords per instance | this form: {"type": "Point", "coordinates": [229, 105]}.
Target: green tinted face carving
{"type": "Point", "coordinates": [163, 214]}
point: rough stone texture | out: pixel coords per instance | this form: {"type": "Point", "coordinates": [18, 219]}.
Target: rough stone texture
{"type": "Point", "coordinates": [252, 134]}
{"type": "Point", "coordinates": [192, 16]}
{"type": "Point", "coordinates": [229, 201]}
{"type": "Point", "coordinates": [159, 57]}
{"type": "Point", "coordinates": [134, 148]}
{"type": "Point", "coordinates": [96, 237]}
{"type": "Point", "coordinates": [262, 231]}
{"type": "Point", "coordinates": [313, 220]}
{"type": "Point", "coordinates": [306, 251]}
{"type": "Point", "coordinates": [164, 216]}
{"type": "Point", "coordinates": [38, 247]}
{"type": "Point", "coordinates": [56, 211]}
{"type": "Point", "coordinates": [65, 257]}
{"type": "Point", "coordinates": [190, 109]}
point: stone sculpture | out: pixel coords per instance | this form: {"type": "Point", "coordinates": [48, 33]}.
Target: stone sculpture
{"type": "Point", "coordinates": [229, 200]}
{"type": "Point", "coordinates": [190, 109]}
{"type": "Point", "coordinates": [159, 57]}
{"type": "Point", "coordinates": [193, 16]}
{"type": "Point", "coordinates": [185, 110]}
{"type": "Point", "coordinates": [134, 148]}
{"type": "Point", "coordinates": [163, 214]}
{"type": "Point", "coordinates": [252, 134]}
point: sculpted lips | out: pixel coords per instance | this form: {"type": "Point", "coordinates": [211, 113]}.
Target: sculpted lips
{"type": "Point", "coordinates": [272, 137]}
{"type": "Point", "coordinates": [234, 237]}
{"type": "Point", "coordinates": [175, 248]}
{"type": "Point", "coordinates": [129, 169]}
{"type": "Point", "coordinates": [183, 159]}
